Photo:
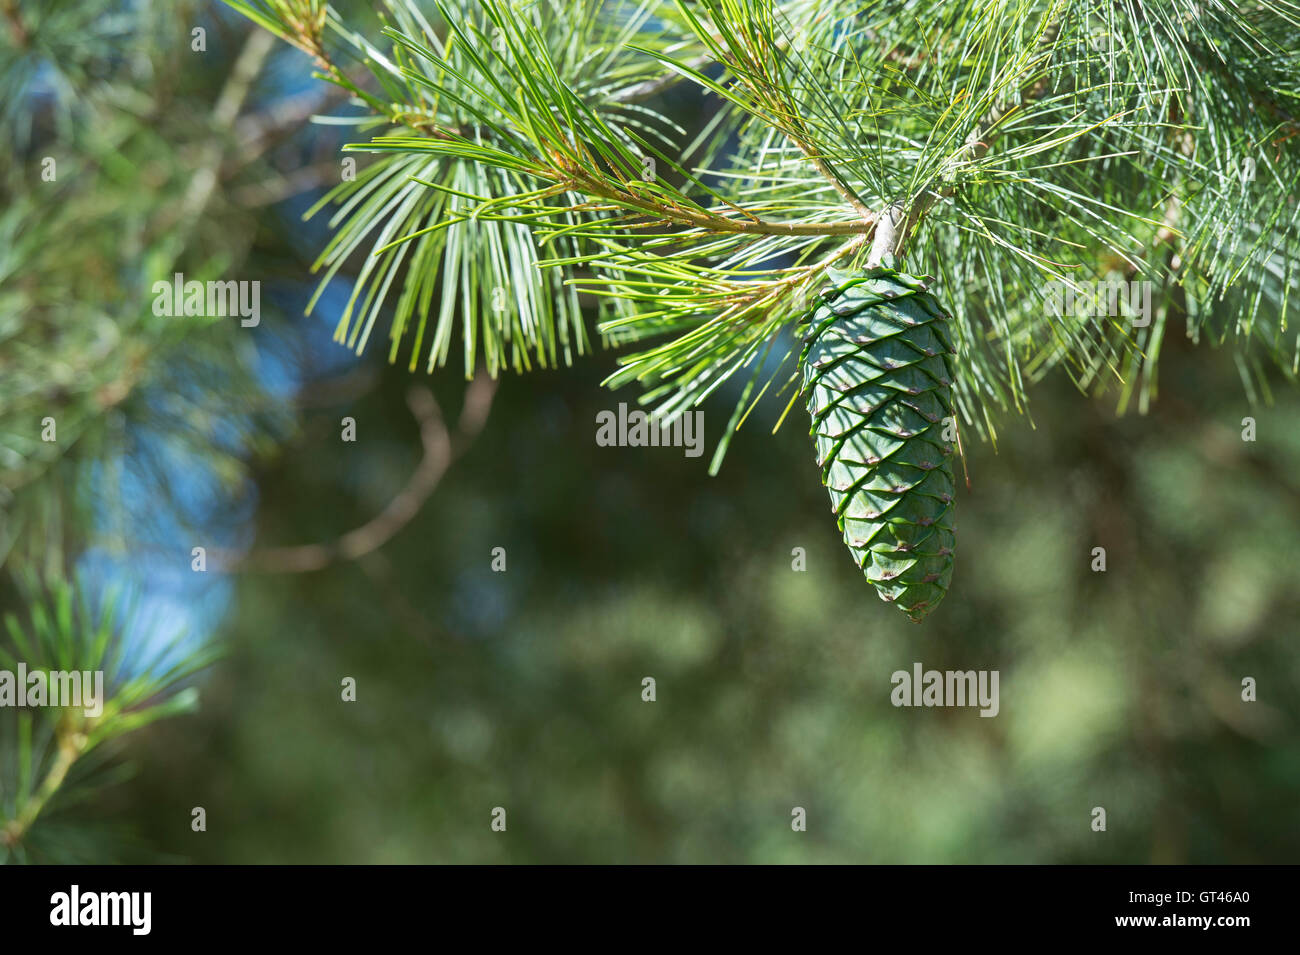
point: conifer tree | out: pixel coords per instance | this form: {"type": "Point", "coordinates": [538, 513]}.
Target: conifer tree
{"type": "Point", "coordinates": [894, 217]}
{"type": "Point", "coordinates": [111, 175]}
{"type": "Point", "coordinates": [945, 200]}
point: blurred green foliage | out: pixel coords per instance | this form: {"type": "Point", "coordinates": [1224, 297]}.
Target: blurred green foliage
{"type": "Point", "coordinates": [522, 689]}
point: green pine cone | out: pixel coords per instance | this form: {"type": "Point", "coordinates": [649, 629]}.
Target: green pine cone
{"type": "Point", "coordinates": [877, 377]}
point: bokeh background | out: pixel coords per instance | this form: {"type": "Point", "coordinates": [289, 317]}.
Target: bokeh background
{"type": "Point", "coordinates": [522, 689]}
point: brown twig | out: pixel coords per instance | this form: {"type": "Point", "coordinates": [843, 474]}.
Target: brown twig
{"type": "Point", "coordinates": [203, 183]}
{"type": "Point", "coordinates": [16, 26]}
{"type": "Point", "coordinates": [268, 192]}
{"type": "Point", "coordinates": [440, 450]}
{"type": "Point", "coordinates": [652, 88]}
{"type": "Point", "coordinates": [257, 131]}
{"type": "Point", "coordinates": [578, 179]}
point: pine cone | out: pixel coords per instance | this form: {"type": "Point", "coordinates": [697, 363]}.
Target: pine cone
{"type": "Point", "coordinates": [877, 377]}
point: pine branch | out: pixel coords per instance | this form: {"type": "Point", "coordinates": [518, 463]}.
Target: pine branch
{"type": "Point", "coordinates": [70, 745]}
{"type": "Point", "coordinates": [854, 124]}
{"type": "Point", "coordinates": [900, 219]}
{"type": "Point", "coordinates": [64, 632]}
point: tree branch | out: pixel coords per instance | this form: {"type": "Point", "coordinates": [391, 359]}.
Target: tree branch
{"type": "Point", "coordinates": [440, 450]}
{"type": "Point", "coordinates": [649, 89]}
{"type": "Point", "coordinates": [71, 746]}
{"type": "Point", "coordinates": [899, 220]}
{"type": "Point", "coordinates": [578, 179]}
